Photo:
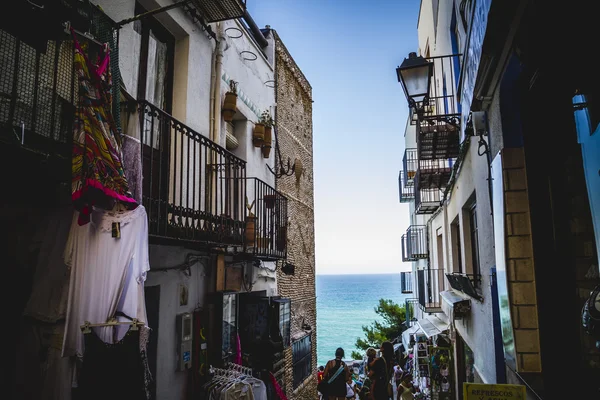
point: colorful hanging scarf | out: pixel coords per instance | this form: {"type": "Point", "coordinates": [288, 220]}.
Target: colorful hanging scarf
{"type": "Point", "coordinates": [98, 178]}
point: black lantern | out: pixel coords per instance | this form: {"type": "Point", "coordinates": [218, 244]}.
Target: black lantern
{"type": "Point", "coordinates": [415, 75]}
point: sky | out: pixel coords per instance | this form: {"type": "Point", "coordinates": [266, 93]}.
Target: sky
{"type": "Point", "coordinates": [349, 51]}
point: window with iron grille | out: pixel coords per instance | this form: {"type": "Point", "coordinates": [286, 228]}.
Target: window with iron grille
{"type": "Point", "coordinates": [284, 322]}
{"type": "Point", "coordinates": [38, 91]}
{"type": "Point", "coordinates": [474, 243]}
{"type": "Point", "coordinates": [302, 359]}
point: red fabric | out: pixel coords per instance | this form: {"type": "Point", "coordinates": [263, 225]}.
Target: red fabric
{"type": "Point", "coordinates": [238, 354]}
{"type": "Point", "coordinates": [278, 389]}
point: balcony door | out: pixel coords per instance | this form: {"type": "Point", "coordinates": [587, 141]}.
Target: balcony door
{"type": "Point", "coordinates": [155, 85]}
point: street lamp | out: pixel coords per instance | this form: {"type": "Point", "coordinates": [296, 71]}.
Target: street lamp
{"type": "Point", "coordinates": [415, 75]}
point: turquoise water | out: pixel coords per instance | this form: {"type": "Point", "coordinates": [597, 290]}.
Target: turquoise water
{"type": "Point", "coordinates": [345, 303]}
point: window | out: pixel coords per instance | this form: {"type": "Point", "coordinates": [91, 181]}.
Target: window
{"type": "Point", "coordinates": [284, 322]}
{"type": "Point", "coordinates": [440, 249]}
{"type": "Point", "coordinates": [474, 243]}
{"type": "Point", "coordinates": [456, 246]}
{"type": "Point", "coordinates": [302, 360]}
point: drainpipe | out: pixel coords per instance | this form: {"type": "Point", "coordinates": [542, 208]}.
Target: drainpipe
{"type": "Point", "coordinates": [216, 94]}
{"type": "Point", "coordinates": [258, 36]}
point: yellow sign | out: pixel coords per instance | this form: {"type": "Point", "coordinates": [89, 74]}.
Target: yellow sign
{"type": "Point", "coordinates": [482, 391]}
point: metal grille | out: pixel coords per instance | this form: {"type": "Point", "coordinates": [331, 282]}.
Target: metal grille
{"type": "Point", "coordinates": [220, 10]}
{"type": "Point", "coordinates": [37, 91]}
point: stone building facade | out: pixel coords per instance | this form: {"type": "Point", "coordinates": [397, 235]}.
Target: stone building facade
{"type": "Point", "coordinates": [295, 140]}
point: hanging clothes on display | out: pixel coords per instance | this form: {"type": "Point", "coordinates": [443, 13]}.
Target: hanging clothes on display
{"type": "Point", "coordinates": [235, 383]}
{"type": "Point", "coordinates": [113, 370]}
{"type": "Point", "coordinates": [109, 261]}
{"type": "Point", "coordinates": [48, 300]}
{"type": "Point", "coordinates": [98, 178]}
{"type": "Point", "coordinates": [41, 372]}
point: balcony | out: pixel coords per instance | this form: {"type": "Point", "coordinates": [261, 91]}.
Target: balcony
{"type": "Point", "coordinates": [438, 120]}
{"type": "Point", "coordinates": [410, 307]}
{"type": "Point", "coordinates": [268, 238]}
{"type": "Point", "coordinates": [427, 200]}
{"type": "Point", "coordinates": [406, 282]}
{"type": "Point", "coordinates": [193, 189]}
{"type": "Point", "coordinates": [437, 140]}
{"type": "Point", "coordinates": [430, 282]}
{"type": "Point", "coordinates": [219, 10]}
{"type": "Point", "coordinates": [411, 165]}
{"type": "Point", "coordinates": [414, 243]}
{"type": "Point", "coordinates": [466, 283]}
{"type": "Point", "coordinates": [435, 174]}
{"type": "Point", "coordinates": [407, 192]}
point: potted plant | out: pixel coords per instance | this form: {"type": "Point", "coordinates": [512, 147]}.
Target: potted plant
{"type": "Point", "coordinates": [230, 104]}
{"type": "Point", "coordinates": [250, 224]}
{"type": "Point", "coordinates": [267, 120]}
{"type": "Point", "coordinates": [258, 135]}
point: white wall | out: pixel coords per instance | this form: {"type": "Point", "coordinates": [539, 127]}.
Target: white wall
{"type": "Point", "coordinates": [254, 96]}
{"type": "Point", "coordinates": [170, 383]}
{"type": "Point", "coordinates": [478, 328]}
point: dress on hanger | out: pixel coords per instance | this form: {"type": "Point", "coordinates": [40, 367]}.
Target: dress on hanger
{"type": "Point", "coordinates": [107, 274]}
{"type": "Point", "coordinates": [98, 178]}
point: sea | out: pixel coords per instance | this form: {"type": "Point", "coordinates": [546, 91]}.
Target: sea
{"type": "Point", "coordinates": [347, 302]}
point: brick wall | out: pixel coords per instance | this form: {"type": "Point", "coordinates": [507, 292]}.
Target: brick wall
{"type": "Point", "coordinates": [294, 135]}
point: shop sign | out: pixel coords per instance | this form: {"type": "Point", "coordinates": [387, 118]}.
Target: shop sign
{"type": "Point", "coordinates": [472, 57]}
{"type": "Point", "coordinates": [482, 391]}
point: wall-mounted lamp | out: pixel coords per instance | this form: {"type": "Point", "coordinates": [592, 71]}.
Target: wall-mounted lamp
{"type": "Point", "coordinates": [414, 74]}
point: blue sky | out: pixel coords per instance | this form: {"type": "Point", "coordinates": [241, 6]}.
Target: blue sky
{"type": "Point", "coordinates": [349, 50]}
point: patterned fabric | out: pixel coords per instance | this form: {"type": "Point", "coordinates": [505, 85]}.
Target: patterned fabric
{"type": "Point", "coordinates": [98, 178]}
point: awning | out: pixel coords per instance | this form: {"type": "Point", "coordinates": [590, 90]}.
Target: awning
{"type": "Point", "coordinates": [432, 325]}
{"type": "Point", "coordinates": [456, 304]}
{"type": "Point", "coordinates": [413, 330]}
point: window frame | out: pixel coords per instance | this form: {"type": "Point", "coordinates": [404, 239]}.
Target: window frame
{"type": "Point", "coordinates": [304, 362]}
{"type": "Point", "coordinates": [474, 236]}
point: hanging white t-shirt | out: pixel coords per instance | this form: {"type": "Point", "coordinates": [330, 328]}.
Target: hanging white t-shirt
{"type": "Point", "coordinates": [107, 274]}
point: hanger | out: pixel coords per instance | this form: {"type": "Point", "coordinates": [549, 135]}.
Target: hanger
{"type": "Point", "coordinates": [135, 324]}
{"type": "Point", "coordinates": [87, 35]}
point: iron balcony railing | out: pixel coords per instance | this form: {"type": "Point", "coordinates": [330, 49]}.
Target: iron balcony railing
{"type": "Point", "coordinates": [219, 10]}
{"type": "Point", "coordinates": [435, 174]}
{"type": "Point", "coordinates": [430, 283]}
{"type": "Point", "coordinates": [414, 243]}
{"type": "Point", "coordinates": [438, 122]}
{"type": "Point", "coordinates": [266, 221]}
{"type": "Point", "coordinates": [406, 282]}
{"type": "Point", "coordinates": [427, 201]}
{"type": "Point", "coordinates": [442, 100]}
{"type": "Point", "coordinates": [466, 283]}
{"type": "Point", "coordinates": [437, 139]}
{"type": "Point", "coordinates": [193, 189]}
{"type": "Point", "coordinates": [410, 163]}
{"type": "Point", "coordinates": [410, 306]}
{"type": "Point", "coordinates": [406, 192]}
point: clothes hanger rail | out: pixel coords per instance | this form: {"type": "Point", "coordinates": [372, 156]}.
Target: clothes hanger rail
{"type": "Point", "coordinates": [136, 324]}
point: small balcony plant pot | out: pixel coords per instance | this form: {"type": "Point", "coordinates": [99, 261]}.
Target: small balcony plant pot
{"type": "Point", "coordinates": [258, 135]}
{"type": "Point", "coordinates": [229, 106]}
{"type": "Point", "coordinates": [269, 201]}
{"type": "Point", "coordinates": [266, 151]}
{"type": "Point", "coordinates": [250, 230]}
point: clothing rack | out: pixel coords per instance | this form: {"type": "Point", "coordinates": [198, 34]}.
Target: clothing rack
{"type": "Point", "coordinates": [232, 370]}
{"type": "Point", "coordinates": [135, 324]}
